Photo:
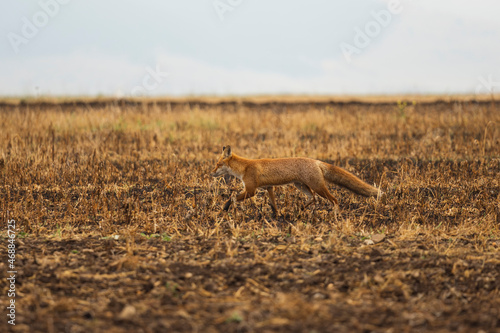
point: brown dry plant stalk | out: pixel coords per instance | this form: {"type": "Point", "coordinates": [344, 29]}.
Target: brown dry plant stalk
{"type": "Point", "coordinates": [115, 197]}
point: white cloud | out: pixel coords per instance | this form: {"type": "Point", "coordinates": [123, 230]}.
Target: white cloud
{"type": "Point", "coordinates": [428, 48]}
{"type": "Point", "coordinates": [94, 74]}
{"type": "Point", "coordinates": [192, 76]}
{"type": "Point", "coordinates": [74, 74]}
{"type": "Point", "coordinates": [432, 46]}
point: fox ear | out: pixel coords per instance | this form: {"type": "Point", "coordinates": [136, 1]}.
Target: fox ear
{"type": "Point", "coordinates": [227, 151]}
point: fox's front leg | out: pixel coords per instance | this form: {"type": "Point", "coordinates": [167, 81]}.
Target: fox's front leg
{"type": "Point", "coordinates": [247, 193]}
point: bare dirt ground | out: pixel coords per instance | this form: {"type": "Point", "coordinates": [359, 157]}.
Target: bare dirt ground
{"type": "Point", "coordinates": [120, 229]}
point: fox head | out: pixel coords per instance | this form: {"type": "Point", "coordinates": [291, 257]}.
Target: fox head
{"type": "Point", "coordinates": [222, 166]}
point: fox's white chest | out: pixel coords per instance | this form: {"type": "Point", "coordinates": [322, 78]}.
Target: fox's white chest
{"type": "Point", "coordinates": [230, 171]}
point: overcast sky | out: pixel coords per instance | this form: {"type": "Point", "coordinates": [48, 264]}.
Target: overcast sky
{"type": "Point", "coordinates": [233, 47]}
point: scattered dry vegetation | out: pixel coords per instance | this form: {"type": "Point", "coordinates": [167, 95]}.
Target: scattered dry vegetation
{"type": "Point", "coordinates": [120, 226]}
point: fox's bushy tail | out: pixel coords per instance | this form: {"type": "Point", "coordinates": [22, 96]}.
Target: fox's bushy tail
{"type": "Point", "coordinates": [346, 179]}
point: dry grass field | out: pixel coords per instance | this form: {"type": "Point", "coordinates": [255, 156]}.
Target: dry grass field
{"type": "Point", "coordinates": [120, 228]}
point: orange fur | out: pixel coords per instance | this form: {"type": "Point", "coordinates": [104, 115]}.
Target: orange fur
{"type": "Point", "coordinates": [308, 175]}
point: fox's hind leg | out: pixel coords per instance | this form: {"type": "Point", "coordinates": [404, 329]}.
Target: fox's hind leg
{"type": "Point", "coordinates": [323, 191]}
{"type": "Point", "coordinates": [307, 191]}
{"type": "Point", "coordinates": [270, 190]}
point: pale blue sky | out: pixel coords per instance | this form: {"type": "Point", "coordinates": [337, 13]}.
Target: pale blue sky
{"type": "Point", "coordinates": [114, 47]}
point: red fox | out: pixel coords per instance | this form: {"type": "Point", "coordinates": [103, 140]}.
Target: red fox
{"type": "Point", "coordinates": [308, 175]}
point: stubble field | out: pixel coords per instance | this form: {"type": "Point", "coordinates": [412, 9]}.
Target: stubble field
{"type": "Point", "coordinates": [120, 229]}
